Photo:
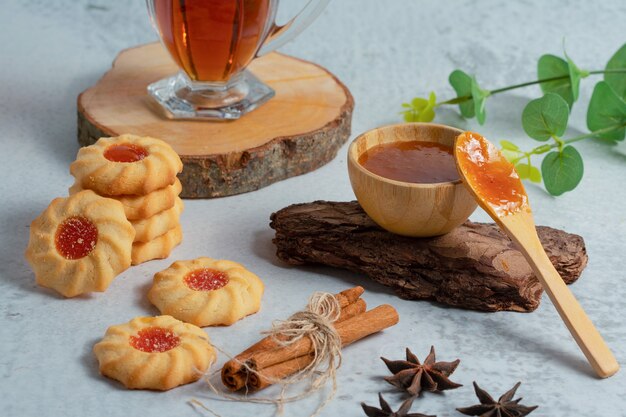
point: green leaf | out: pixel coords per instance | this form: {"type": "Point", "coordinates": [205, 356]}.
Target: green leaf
{"type": "Point", "coordinates": [551, 66]}
{"type": "Point", "coordinates": [419, 103]}
{"type": "Point", "coordinates": [462, 84]}
{"type": "Point", "coordinates": [523, 170]}
{"type": "Point", "coordinates": [510, 156]}
{"type": "Point", "coordinates": [535, 175]}
{"type": "Point", "coordinates": [505, 144]}
{"type": "Point", "coordinates": [542, 149]}
{"type": "Point", "coordinates": [428, 113]}
{"type": "Point", "coordinates": [409, 116]}
{"type": "Point", "coordinates": [528, 172]}
{"type": "Point", "coordinates": [420, 109]}
{"type": "Point", "coordinates": [510, 150]}
{"type": "Point", "coordinates": [479, 96]}
{"type": "Point", "coordinates": [606, 110]}
{"type": "Point", "coordinates": [562, 171]}
{"type": "Point", "coordinates": [575, 75]}
{"type": "Point", "coordinates": [617, 81]}
{"type": "Point", "coordinates": [545, 117]}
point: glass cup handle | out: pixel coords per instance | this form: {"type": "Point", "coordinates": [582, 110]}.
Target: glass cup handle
{"type": "Point", "coordinates": [280, 35]}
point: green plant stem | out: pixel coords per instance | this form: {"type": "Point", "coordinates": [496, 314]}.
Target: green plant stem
{"type": "Point", "coordinates": [595, 133]}
{"type": "Point", "coordinates": [463, 99]}
{"type": "Point", "coordinates": [526, 84]}
{"type": "Point", "coordinates": [609, 71]}
{"type": "Point", "coordinates": [560, 143]}
{"type": "Point", "coordinates": [455, 100]}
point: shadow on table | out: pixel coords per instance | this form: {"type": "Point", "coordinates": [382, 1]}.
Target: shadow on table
{"type": "Point", "coordinates": [263, 247]}
{"type": "Point", "coordinates": [142, 301]}
{"type": "Point", "coordinates": [618, 151]}
{"type": "Point", "coordinates": [90, 366]}
{"type": "Point", "coordinates": [14, 269]}
{"type": "Point", "coordinates": [543, 348]}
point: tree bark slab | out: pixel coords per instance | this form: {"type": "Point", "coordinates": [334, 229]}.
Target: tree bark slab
{"type": "Point", "coordinates": [475, 266]}
{"type": "Point", "coordinates": [300, 129]}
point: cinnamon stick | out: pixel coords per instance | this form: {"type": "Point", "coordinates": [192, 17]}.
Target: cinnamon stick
{"type": "Point", "coordinates": [258, 381]}
{"type": "Point", "coordinates": [349, 296]}
{"type": "Point", "coordinates": [233, 372]}
{"type": "Point", "coordinates": [349, 331]}
{"type": "Point", "coordinates": [351, 310]}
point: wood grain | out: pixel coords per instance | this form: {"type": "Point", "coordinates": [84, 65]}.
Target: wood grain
{"type": "Point", "coordinates": [476, 168]}
{"type": "Point", "coordinates": [297, 131]}
{"type": "Point", "coordinates": [417, 210]}
{"type": "Point", "coordinates": [521, 228]}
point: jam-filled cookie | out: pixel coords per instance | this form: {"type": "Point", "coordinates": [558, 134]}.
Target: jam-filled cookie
{"type": "Point", "coordinates": [80, 243]}
{"type": "Point", "coordinates": [157, 248]}
{"type": "Point", "coordinates": [159, 224]}
{"type": "Point", "coordinates": [139, 207]}
{"type": "Point", "coordinates": [157, 353]}
{"type": "Point", "coordinates": [207, 292]}
{"type": "Point", "coordinates": [126, 164]}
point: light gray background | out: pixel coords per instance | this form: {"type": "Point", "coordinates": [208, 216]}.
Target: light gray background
{"type": "Point", "coordinates": [386, 52]}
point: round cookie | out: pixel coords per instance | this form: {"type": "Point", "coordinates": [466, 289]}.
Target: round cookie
{"type": "Point", "coordinates": [157, 248]}
{"type": "Point", "coordinates": [207, 292]}
{"type": "Point", "coordinates": [126, 164]}
{"type": "Point", "coordinates": [80, 243]}
{"type": "Point", "coordinates": [139, 207]}
{"type": "Point", "coordinates": [159, 224]}
{"type": "Point", "coordinates": [156, 353]}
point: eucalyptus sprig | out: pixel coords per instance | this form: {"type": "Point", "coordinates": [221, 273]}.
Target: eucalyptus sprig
{"type": "Point", "coordinates": [545, 119]}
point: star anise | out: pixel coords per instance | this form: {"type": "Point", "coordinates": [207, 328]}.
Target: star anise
{"type": "Point", "coordinates": [413, 376]}
{"type": "Point", "coordinates": [386, 411]}
{"type": "Point", "coordinates": [504, 407]}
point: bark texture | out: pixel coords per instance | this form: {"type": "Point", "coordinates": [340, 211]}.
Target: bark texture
{"type": "Point", "coordinates": [475, 266]}
{"type": "Point", "coordinates": [219, 175]}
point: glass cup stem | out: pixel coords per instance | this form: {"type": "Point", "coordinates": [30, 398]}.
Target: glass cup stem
{"type": "Point", "coordinates": [187, 99]}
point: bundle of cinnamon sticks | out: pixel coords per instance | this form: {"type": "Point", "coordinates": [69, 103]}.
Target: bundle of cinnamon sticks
{"type": "Point", "coordinates": [268, 361]}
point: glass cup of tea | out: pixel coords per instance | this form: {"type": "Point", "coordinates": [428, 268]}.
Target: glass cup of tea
{"type": "Point", "coordinates": [212, 42]}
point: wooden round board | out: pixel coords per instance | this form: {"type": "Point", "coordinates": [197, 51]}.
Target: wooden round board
{"type": "Point", "coordinates": [297, 131]}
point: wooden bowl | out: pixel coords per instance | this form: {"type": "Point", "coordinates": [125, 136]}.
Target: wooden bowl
{"type": "Point", "coordinates": [403, 208]}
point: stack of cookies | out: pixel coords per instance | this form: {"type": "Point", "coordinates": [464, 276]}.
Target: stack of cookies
{"type": "Point", "coordinates": [139, 172]}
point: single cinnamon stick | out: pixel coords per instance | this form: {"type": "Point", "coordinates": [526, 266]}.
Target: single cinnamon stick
{"type": "Point", "coordinates": [233, 374]}
{"type": "Point", "coordinates": [349, 331]}
{"type": "Point", "coordinates": [351, 310]}
{"type": "Point", "coordinates": [258, 381]}
{"type": "Point", "coordinates": [349, 296]}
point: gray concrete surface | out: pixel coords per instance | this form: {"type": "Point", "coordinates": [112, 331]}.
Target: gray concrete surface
{"type": "Point", "coordinates": [386, 52]}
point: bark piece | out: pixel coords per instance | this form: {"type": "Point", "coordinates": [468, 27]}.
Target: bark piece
{"type": "Point", "coordinates": [475, 266]}
{"type": "Point", "coordinates": [297, 131]}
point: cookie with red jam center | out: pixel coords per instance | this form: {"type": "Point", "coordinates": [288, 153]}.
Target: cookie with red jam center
{"type": "Point", "coordinates": [157, 353]}
{"type": "Point", "coordinates": [80, 244]}
{"type": "Point", "coordinates": [207, 292]}
{"type": "Point", "coordinates": [126, 165]}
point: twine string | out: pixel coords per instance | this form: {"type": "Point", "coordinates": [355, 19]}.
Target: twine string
{"type": "Point", "coordinates": [316, 323]}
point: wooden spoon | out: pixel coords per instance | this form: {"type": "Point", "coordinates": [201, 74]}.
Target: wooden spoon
{"type": "Point", "coordinates": [499, 191]}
